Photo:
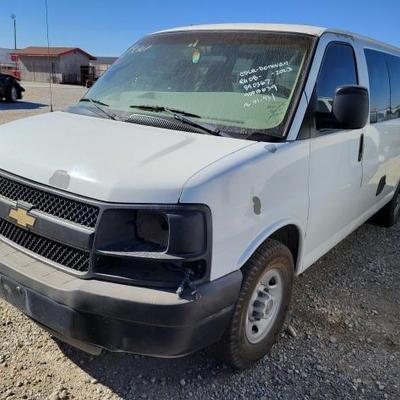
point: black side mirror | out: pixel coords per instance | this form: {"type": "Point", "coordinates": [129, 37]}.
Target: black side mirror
{"type": "Point", "coordinates": [351, 107]}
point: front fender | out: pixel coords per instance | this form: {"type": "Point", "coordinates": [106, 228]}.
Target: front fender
{"type": "Point", "coordinates": [267, 233]}
{"type": "Point", "coordinates": [251, 194]}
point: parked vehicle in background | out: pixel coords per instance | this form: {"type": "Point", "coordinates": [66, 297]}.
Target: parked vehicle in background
{"type": "Point", "coordinates": [204, 171]}
{"type": "Point", "coordinates": [10, 88]}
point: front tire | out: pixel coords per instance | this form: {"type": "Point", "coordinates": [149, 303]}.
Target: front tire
{"type": "Point", "coordinates": [12, 95]}
{"type": "Point", "coordinates": [261, 307]}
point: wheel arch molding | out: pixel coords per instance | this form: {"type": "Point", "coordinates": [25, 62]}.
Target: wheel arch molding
{"type": "Point", "coordinates": [287, 232]}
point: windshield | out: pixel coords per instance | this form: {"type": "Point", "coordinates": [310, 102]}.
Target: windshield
{"type": "Point", "coordinates": [241, 82]}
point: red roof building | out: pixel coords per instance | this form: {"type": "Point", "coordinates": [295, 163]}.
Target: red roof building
{"type": "Point", "coordinates": [58, 64]}
{"type": "Point", "coordinates": [52, 52]}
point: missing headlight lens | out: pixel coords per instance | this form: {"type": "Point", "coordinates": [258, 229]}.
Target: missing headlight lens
{"type": "Point", "coordinates": [152, 227]}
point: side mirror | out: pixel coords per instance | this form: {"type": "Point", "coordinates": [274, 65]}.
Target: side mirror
{"type": "Point", "coordinates": [351, 107]}
{"type": "Point", "coordinates": [349, 110]}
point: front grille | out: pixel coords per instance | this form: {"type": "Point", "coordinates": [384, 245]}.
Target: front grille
{"type": "Point", "coordinates": [61, 207]}
{"type": "Point", "coordinates": [58, 253]}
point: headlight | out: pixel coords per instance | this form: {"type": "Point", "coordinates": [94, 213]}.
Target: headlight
{"type": "Point", "coordinates": [153, 245]}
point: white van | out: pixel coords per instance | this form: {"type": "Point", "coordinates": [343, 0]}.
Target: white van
{"type": "Point", "coordinates": [172, 207]}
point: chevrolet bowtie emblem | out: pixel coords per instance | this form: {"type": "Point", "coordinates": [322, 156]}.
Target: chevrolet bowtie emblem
{"type": "Point", "coordinates": [22, 217]}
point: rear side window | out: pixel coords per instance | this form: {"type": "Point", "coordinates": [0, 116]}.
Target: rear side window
{"type": "Point", "coordinates": [338, 69]}
{"type": "Point", "coordinates": [379, 86]}
{"type": "Point", "coordinates": [394, 71]}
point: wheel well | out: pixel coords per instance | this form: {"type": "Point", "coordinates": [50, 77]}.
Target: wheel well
{"type": "Point", "coordinates": [289, 236]}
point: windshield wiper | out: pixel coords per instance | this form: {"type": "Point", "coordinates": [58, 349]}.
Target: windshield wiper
{"type": "Point", "coordinates": [180, 115]}
{"type": "Point", "coordinates": [97, 104]}
{"type": "Point", "coordinates": [94, 101]}
{"type": "Point", "coordinates": [146, 107]}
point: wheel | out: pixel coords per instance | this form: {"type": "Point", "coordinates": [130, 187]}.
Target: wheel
{"type": "Point", "coordinates": [12, 95]}
{"type": "Point", "coordinates": [261, 307]}
{"type": "Point", "coordinates": [390, 213]}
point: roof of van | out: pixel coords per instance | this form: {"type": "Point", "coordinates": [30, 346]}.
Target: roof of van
{"type": "Point", "coordinates": [305, 29]}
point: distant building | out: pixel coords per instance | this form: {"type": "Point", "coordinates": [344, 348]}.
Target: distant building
{"type": "Point", "coordinates": [62, 64]}
{"type": "Point", "coordinates": [101, 65]}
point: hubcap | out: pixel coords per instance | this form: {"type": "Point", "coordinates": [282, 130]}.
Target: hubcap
{"type": "Point", "coordinates": [264, 306]}
{"type": "Point", "coordinates": [14, 94]}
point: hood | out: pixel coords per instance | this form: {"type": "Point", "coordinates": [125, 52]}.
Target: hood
{"type": "Point", "coordinates": [108, 160]}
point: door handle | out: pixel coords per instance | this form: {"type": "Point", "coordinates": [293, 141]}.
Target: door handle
{"type": "Point", "coordinates": [361, 148]}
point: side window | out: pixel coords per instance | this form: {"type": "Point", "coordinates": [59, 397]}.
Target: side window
{"type": "Point", "coordinates": [394, 72]}
{"type": "Point", "coordinates": [379, 87]}
{"type": "Point", "coordinates": [338, 68]}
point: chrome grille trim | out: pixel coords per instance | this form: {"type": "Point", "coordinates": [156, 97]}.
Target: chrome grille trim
{"type": "Point", "coordinates": [53, 204]}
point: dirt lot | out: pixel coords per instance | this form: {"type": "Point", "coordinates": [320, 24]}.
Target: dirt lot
{"type": "Point", "coordinates": [37, 98]}
{"type": "Point", "coordinates": [345, 343]}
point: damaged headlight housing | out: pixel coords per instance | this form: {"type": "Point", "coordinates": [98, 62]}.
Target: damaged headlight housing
{"type": "Point", "coordinates": [159, 244]}
{"type": "Point", "coordinates": [153, 228]}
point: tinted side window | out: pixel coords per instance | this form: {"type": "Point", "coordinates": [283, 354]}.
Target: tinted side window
{"type": "Point", "coordinates": [379, 87]}
{"type": "Point", "coordinates": [338, 69]}
{"type": "Point", "coordinates": [394, 71]}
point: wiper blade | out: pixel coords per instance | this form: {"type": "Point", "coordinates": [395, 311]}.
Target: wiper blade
{"type": "Point", "coordinates": [97, 104]}
{"type": "Point", "coordinates": [146, 107]}
{"type": "Point", "coordinates": [94, 101]}
{"type": "Point", "coordinates": [180, 116]}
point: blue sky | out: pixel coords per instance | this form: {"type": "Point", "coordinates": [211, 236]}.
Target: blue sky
{"type": "Point", "coordinates": [104, 27]}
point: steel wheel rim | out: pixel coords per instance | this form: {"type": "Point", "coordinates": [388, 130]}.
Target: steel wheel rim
{"type": "Point", "coordinates": [397, 205]}
{"type": "Point", "coordinates": [264, 306]}
{"type": "Point", "coordinates": [13, 94]}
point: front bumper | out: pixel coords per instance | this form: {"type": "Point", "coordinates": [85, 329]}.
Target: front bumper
{"type": "Point", "coordinates": [115, 316]}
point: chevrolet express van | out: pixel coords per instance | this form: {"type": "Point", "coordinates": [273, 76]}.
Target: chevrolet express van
{"type": "Point", "coordinates": [172, 207]}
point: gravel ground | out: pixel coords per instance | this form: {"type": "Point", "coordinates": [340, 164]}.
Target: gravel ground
{"type": "Point", "coordinates": [343, 340]}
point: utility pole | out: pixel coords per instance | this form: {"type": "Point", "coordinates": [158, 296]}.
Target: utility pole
{"type": "Point", "coordinates": [14, 18]}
